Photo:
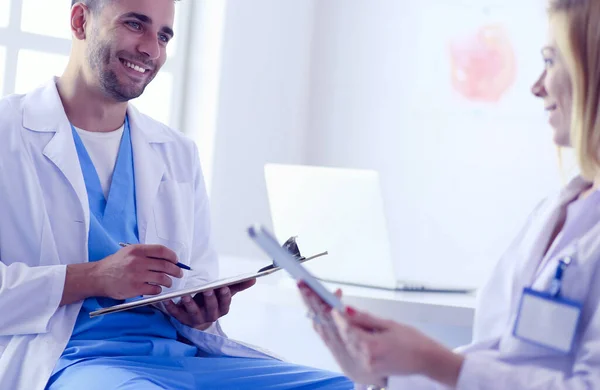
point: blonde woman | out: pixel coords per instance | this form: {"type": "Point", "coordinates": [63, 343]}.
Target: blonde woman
{"type": "Point", "coordinates": [537, 325]}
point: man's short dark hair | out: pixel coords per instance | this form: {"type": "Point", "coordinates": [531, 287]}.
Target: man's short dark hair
{"type": "Point", "coordinates": [93, 5]}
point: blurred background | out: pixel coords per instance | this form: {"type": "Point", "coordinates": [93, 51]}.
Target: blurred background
{"type": "Point", "coordinates": [433, 94]}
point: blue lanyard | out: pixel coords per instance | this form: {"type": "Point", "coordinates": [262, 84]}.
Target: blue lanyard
{"type": "Point", "coordinates": [556, 284]}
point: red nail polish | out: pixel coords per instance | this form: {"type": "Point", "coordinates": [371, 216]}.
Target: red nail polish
{"type": "Point", "coordinates": [350, 311]}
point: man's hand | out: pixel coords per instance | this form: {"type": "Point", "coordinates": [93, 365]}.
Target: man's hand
{"type": "Point", "coordinates": [205, 308]}
{"type": "Point", "coordinates": [136, 270]}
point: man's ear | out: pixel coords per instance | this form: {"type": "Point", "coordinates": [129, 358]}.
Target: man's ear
{"type": "Point", "coordinates": [79, 18]}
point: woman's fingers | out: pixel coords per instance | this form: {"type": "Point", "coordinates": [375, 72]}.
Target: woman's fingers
{"type": "Point", "coordinates": [364, 320]}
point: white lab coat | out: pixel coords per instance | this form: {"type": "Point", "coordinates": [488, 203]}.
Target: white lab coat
{"type": "Point", "coordinates": [44, 223]}
{"type": "Point", "coordinates": [496, 359]}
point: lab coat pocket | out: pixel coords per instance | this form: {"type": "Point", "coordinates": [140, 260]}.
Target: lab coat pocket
{"type": "Point", "coordinates": [182, 256]}
{"type": "Point", "coordinates": [172, 218]}
{"type": "Point", "coordinates": [173, 211]}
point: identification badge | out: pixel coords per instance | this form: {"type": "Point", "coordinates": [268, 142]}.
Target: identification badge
{"type": "Point", "coordinates": [546, 319]}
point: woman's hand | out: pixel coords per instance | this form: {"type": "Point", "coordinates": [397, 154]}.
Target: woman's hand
{"type": "Point", "coordinates": [325, 326]}
{"type": "Point", "coordinates": [385, 348]}
{"type": "Point", "coordinates": [370, 349]}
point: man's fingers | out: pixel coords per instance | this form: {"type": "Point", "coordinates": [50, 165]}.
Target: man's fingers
{"type": "Point", "coordinates": [194, 311]}
{"type": "Point", "coordinates": [157, 278]}
{"type": "Point", "coordinates": [152, 251]}
{"type": "Point", "coordinates": [157, 252]}
{"type": "Point", "coordinates": [149, 289]}
{"type": "Point", "coordinates": [211, 306]}
{"type": "Point", "coordinates": [224, 297]}
{"type": "Point", "coordinates": [236, 288]}
{"type": "Point", "coordinates": [165, 267]}
{"type": "Point", "coordinates": [178, 312]}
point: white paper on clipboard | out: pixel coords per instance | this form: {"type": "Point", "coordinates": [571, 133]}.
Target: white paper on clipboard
{"type": "Point", "coordinates": [193, 290]}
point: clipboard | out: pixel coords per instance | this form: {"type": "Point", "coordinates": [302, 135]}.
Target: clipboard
{"type": "Point", "coordinates": [271, 269]}
{"type": "Point", "coordinates": [284, 259]}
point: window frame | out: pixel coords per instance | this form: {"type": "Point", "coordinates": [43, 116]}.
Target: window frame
{"type": "Point", "coordinates": [15, 39]}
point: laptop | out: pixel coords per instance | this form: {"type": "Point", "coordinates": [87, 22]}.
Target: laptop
{"type": "Point", "coordinates": [341, 211]}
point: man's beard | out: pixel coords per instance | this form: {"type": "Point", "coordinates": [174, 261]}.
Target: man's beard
{"type": "Point", "coordinates": [99, 56]}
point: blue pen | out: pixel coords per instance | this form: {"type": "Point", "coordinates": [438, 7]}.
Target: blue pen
{"type": "Point", "coordinates": [180, 265]}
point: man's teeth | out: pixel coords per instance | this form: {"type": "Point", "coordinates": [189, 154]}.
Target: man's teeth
{"type": "Point", "coordinates": [135, 67]}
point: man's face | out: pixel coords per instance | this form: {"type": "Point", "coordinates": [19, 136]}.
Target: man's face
{"type": "Point", "coordinates": [126, 45]}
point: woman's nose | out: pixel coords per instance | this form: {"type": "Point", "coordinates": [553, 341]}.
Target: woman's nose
{"type": "Point", "coordinates": [538, 88]}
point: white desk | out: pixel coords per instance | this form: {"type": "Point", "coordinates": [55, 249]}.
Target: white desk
{"type": "Point", "coordinates": [437, 308]}
{"type": "Point", "coordinates": [271, 314]}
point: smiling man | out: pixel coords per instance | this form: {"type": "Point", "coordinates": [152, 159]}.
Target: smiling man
{"type": "Point", "coordinates": [82, 171]}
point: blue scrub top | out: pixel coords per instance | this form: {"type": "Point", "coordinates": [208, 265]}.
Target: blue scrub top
{"type": "Point", "coordinates": [143, 331]}
{"type": "Point", "coordinates": [138, 349]}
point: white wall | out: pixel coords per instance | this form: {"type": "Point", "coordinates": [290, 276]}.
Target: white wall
{"type": "Point", "coordinates": [458, 180]}
{"type": "Point", "coordinates": [361, 84]}
{"type": "Point", "coordinates": [262, 111]}
{"type": "Point", "coordinates": [203, 78]}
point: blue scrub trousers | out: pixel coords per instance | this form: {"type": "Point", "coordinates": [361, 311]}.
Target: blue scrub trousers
{"type": "Point", "coordinates": [193, 373]}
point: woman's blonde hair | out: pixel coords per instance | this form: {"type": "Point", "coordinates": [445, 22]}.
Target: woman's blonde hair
{"type": "Point", "coordinates": [576, 27]}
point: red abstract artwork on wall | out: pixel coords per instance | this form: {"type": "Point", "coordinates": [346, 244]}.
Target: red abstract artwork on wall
{"type": "Point", "coordinates": [483, 64]}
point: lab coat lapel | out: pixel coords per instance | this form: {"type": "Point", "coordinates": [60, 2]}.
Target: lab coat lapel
{"type": "Point", "coordinates": [581, 250]}
{"type": "Point", "coordinates": [540, 243]}
{"type": "Point", "coordinates": [148, 166]}
{"type": "Point", "coordinates": [43, 112]}
{"type": "Point", "coordinates": [541, 235]}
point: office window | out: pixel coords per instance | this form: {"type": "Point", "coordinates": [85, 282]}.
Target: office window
{"type": "Point", "coordinates": [181, 21]}
{"type": "Point", "coordinates": [46, 17]}
{"type": "Point", "coordinates": [35, 68]}
{"type": "Point", "coordinates": [4, 12]}
{"type": "Point", "coordinates": [35, 42]}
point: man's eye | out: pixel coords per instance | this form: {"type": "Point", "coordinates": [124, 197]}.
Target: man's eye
{"type": "Point", "coordinates": [134, 25]}
{"type": "Point", "coordinates": [548, 62]}
{"type": "Point", "coordinates": [164, 38]}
